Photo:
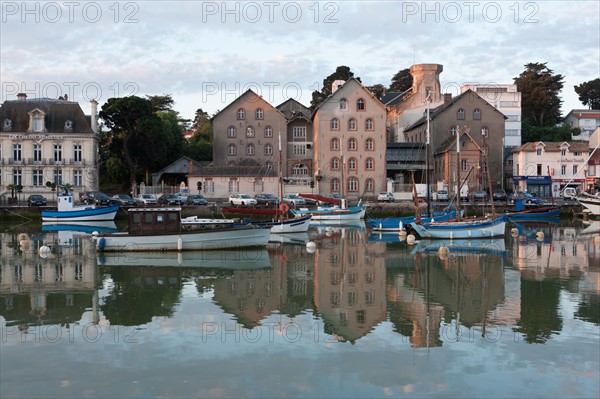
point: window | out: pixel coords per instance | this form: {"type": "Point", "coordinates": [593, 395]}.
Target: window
{"type": "Point", "coordinates": [209, 185]}
{"type": "Point", "coordinates": [234, 185]}
{"type": "Point", "coordinates": [476, 114]}
{"type": "Point", "coordinates": [259, 185]}
{"type": "Point", "coordinates": [17, 177]}
{"type": "Point", "coordinates": [574, 170]}
{"type": "Point", "coordinates": [484, 131]}
{"type": "Point", "coordinates": [7, 125]}
{"type": "Point", "coordinates": [300, 170]}
{"type": "Point", "coordinates": [352, 144]}
{"type": "Point", "coordinates": [231, 132]}
{"type": "Point", "coordinates": [268, 149]}
{"type": "Point", "coordinates": [250, 149]}
{"type": "Point", "coordinates": [37, 153]}
{"type": "Point", "coordinates": [343, 103]}
{"type": "Point", "coordinates": [360, 104]}
{"type": "Point", "coordinates": [369, 146]}
{"type": "Point", "coordinates": [463, 165]}
{"type": "Point", "coordinates": [38, 177]}
{"type": "Point", "coordinates": [299, 132]}
{"type": "Point", "coordinates": [335, 185]}
{"type": "Point", "coordinates": [563, 152]}
{"type": "Point", "coordinates": [538, 151]}
{"type": "Point", "coordinates": [37, 124]}
{"type": "Point", "coordinates": [77, 153]}
{"type": "Point", "coordinates": [352, 184]}
{"type": "Point", "coordinates": [17, 154]}
{"type": "Point", "coordinates": [249, 131]}
{"type": "Point", "coordinates": [511, 132]}
{"type": "Point", "coordinates": [259, 114]}
{"type": "Point", "coordinates": [334, 124]}
{"type": "Point", "coordinates": [58, 177]}
{"type": "Point", "coordinates": [231, 150]}
{"type": "Point", "coordinates": [241, 114]}
{"type": "Point", "coordinates": [299, 149]}
{"type": "Point", "coordinates": [460, 115]}
{"type": "Point", "coordinates": [352, 124]}
{"type": "Point", "coordinates": [369, 124]}
{"type": "Point", "coordinates": [509, 104]}
{"type": "Point", "coordinates": [513, 118]}
{"type": "Point", "coordinates": [352, 164]}
{"type": "Point", "coordinates": [576, 153]}
{"type": "Point", "coordinates": [563, 170]}
{"type": "Point", "coordinates": [78, 178]}
{"type": "Point", "coordinates": [369, 164]}
{"type": "Point", "coordinates": [539, 169]}
{"type": "Point", "coordinates": [57, 153]}
{"type": "Point", "coordinates": [370, 185]}
{"type": "Point", "coordinates": [335, 164]}
{"type": "Point", "coordinates": [268, 131]}
{"type": "Point", "coordinates": [335, 144]}
{"type": "Point", "coordinates": [453, 130]}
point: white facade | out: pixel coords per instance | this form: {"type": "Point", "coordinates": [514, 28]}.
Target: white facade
{"type": "Point", "coordinates": [507, 100]}
{"type": "Point", "coordinates": [587, 120]}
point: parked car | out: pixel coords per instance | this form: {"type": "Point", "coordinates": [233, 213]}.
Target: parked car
{"type": "Point", "coordinates": [94, 197]}
{"type": "Point", "coordinates": [146, 199]}
{"type": "Point", "coordinates": [242, 199]}
{"type": "Point", "coordinates": [499, 195]}
{"type": "Point", "coordinates": [569, 193]}
{"type": "Point", "coordinates": [102, 199]}
{"type": "Point", "coordinates": [183, 197]}
{"type": "Point", "coordinates": [196, 199]}
{"type": "Point", "coordinates": [385, 197]}
{"type": "Point", "coordinates": [123, 200]}
{"type": "Point", "coordinates": [442, 195]}
{"type": "Point", "coordinates": [531, 200]}
{"type": "Point", "coordinates": [267, 199]}
{"type": "Point", "coordinates": [36, 199]}
{"type": "Point", "coordinates": [293, 200]}
{"type": "Point", "coordinates": [480, 196]}
{"type": "Point", "coordinates": [169, 199]}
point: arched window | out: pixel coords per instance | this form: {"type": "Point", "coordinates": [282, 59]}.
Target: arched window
{"type": "Point", "coordinates": [335, 185]}
{"type": "Point", "coordinates": [460, 114]}
{"type": "Point", "coordinates": [370, 185]}
{"type": "Point", "coordinates": [250, 149]}
{"type": "Point", "coordinates": [231, 132]}
{"type": "Point", "coordinates": [268, 131]}
{"type": "Point", "coordinates": [360, 104]}
{"type": "Point", "coordinates": [300, 170]}
{"type": "Point", "coordinates": [231, 150]}
{"type": "Point", "coordinates": [476, 114]}
{"type": "Point", "coordinates": [335, 144]}
{"type": "Point", "coordinates": [268, 149]}
{"type": "Point", "coordinates": [343, 103]}
{"type": "Point", "coordinates": [241, 114]}
{"type": "Point", "coordinates": [352, 164]}
{"type": "Point", "coordinates": [352, 144]}
{"type": "Point", "coordinates": [335, 125]}
{"type": "Point", "coordinates": [352, 184]}
{"type": "Point", "coordinates": [369, 144]}
{"type": "Point", "coordinates": [259, 114]}
{"type": "Point", "coordinates": [369, 124]}
{"type": "Point", "coordinates": [352, 124]}
{"type": "Point", "coordinates": [369, 164]}
{"type": "Point", "coordinates": [335, 164]}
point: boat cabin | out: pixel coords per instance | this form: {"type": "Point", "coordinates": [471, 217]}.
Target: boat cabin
{"type": "Point", "coordinates": [149, 221]}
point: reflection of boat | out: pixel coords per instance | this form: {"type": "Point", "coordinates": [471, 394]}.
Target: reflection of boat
{"type": "Point", "coordinates": [356, 224]}
{"type": "Point", "coordinates": [160, 229]}
{"type": "Point", "coordinates": [488, 246]}
{"type": "Point", "coordinates": [291, 239]}
{"type": "Point", "coordinates": [69, 212]}
{"type": "Point", "coordinates": [592, 228]}
{"type": "Point", "coordinates": [82, 227]}
{"type": "Point", "coordinates": [380, 236]}
{"type": "Point", "coordinates": [466, 229]}
{"type": "Point", "coordinates": [248, 258]}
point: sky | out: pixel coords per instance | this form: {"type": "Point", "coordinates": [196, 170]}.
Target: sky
{"type": "Point", "coordinates": [205, 54]}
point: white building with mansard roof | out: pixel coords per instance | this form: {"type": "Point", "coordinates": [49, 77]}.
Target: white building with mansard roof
{"type": "Point", "coordinates": [44, 141]}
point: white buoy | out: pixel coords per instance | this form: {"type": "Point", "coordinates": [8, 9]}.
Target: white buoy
{"type": "Point", "coordinates": [44, 251]}
{"type": "Point", "coordinates": [329, 229]}
{"type": "Point", "coordinates": [444, 253]}
{"type": "Point", "coordinates": [23, 236]}
{"type": "Point", "coordinates": [540, 234]}
{"type": "Point", "coordinates": [179, 244]}
{"type": "Point", "coordinates": [311, 247]}
{"type": "Point", "coordinates": [410, 239]}
{"type": "Point", "coordinates": [402, 235]}
{"type": "Point", "coordinates": [514, 232]}
{"type": "Point", "coordinates": [95, 234]}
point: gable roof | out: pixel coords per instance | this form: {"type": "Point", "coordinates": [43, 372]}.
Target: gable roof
{"type": "Point", "coordinates": [433, 113]}
{"type": "Point", "coordinates": [553, 146]}
{"type": "Point", "coordinates": [392, 98]}
{"type": "Point", "coordinates": [450, 141]}
{"type": "Point", "coordinates": [56, 112]}
{"type": "Point", "coordinates": [335, 93]}
{"type": "Point", "coordinates": [237, 100]}
{"type": "Point", "coordinates": [297, 111]}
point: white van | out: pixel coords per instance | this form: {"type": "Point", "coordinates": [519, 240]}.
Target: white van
{"type": "Point", "coordinates": [569, 193]}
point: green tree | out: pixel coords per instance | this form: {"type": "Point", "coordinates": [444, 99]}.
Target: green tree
{"type": "Point", "coordinates": [402, 80]}
{"type": "Point", "coordinates": [589, 93]}
{"type": "Point", "coordinates": [202, 127]}
{"type": "Point", "coordinates": [341, 73]}
{"type": "Point", "coordinates": [539, 87]}
{"type": "Point", "coordinates": [531, 133]}
{"type": "Point", "coordinates": [377, 89]}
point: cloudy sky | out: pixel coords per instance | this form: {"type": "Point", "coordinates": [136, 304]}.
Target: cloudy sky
{"type": "Point", "coordinates": [207, 53]}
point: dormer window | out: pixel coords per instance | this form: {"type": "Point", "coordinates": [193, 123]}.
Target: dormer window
{"type": "Point", "coordinates": [68, 125]}
{"type": "Point", "coordinates": [343, 103]}
{"type": "Point", "coordinates": [36, 121]}
{"type": "Point", "coordinates": [539, 151]}
{"type": "Point", "coordinates": [7, 125]}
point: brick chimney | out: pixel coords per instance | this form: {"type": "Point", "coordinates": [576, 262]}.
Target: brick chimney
{"type": "Point", "coordinates": [447, 98]}
{"type": "Point", "coordinates": [21, 96]}
{"type": "Point", "coordinates": [94, 116]}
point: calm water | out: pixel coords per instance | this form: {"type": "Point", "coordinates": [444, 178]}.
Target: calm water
{"type": "Point", "coordinates": [362, 316]}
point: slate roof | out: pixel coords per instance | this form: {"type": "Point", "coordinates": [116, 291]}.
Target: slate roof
{"type": "Point", "coordinates": [57, 112]}
{"type": "Point", "coordinates": [554, 146]}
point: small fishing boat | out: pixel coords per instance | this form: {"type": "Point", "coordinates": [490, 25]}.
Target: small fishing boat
{"type": "Point", "coordinates": [400, 223]}
{"type": "Point", "coordinates": [69, 212]}
{"type": "Point", "coordinates": [534, 214]}
{"type": "Point", "coordinates": [333, 213]}
{"type": "Point", "coordinates": [161, 229]}
{"type": "Point", "coordinates": [592, 203]}
{"type": "Point", "coordinates": [298, 224]}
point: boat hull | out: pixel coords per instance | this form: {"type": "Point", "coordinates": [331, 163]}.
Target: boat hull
{"type": "Point", "coordinates": [592, 204]}
{"type": "Point", "coordinates": [534, 214]}
{"type": "Point", "coordinates": [81, 215]}
{"type": "Point", "coordinates": [400, 223]}
{"type": "Point", "coordinates": [194, 240]}
{"type": "Point", "coordinates": [462, 230]}
{"type": "Point", "coordinates": [334, 214]}
{"type": "Point", "coordinates": [295, 225]}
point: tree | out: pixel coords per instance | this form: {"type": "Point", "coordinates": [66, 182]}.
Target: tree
{"type": "Point", "coordinates": [539, 87]}
{"type": "Point", "coordinates": [377, 90]}
{"type": "Point", "coordinates": [341, 73]}
{"type": "Point", "coordinates": [402, 80]}
{"type": "Point", "coordinates": [202, 127]}
{"type": "Point", "coordinates": [531, 133]}
{"type": "Point", "coordinates": [589, 93]}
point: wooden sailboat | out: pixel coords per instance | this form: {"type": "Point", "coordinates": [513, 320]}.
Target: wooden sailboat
{"type": "Point", "coordinates": [464, 229]}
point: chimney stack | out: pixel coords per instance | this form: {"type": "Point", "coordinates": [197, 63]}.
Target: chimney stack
{"type": "Point", "coordinates": [94, 116]}
{"type": "Point", "coordinates": [447, 98]}
{"type": "Point", "coordinates": [21, 96]}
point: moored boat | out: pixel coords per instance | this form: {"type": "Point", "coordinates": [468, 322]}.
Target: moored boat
{"type": "Point", "coordinates": [67, 211]}
{"type": "Point", "coordinates": [591, 203]}
{"type": "Point", "coordinates": [464, 229]}
{"type": "Point", "coordinates": [161, 229]}
{"type": "Point", "coordinates": [333, 213]}
{"type": "Point", "coordinates": [400, 223]}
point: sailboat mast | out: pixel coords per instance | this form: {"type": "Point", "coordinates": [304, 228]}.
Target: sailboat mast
{"type": "Point", "coordinates": [458, 173]}
{"type": "Point", "coordinates": [487, 172]}
{"type": "Point", "coordinates": [280, 172]}
{"type": "Point", "coordinates": [427, 160]}
{"type": "Point", "coordinates": [342, 182]}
